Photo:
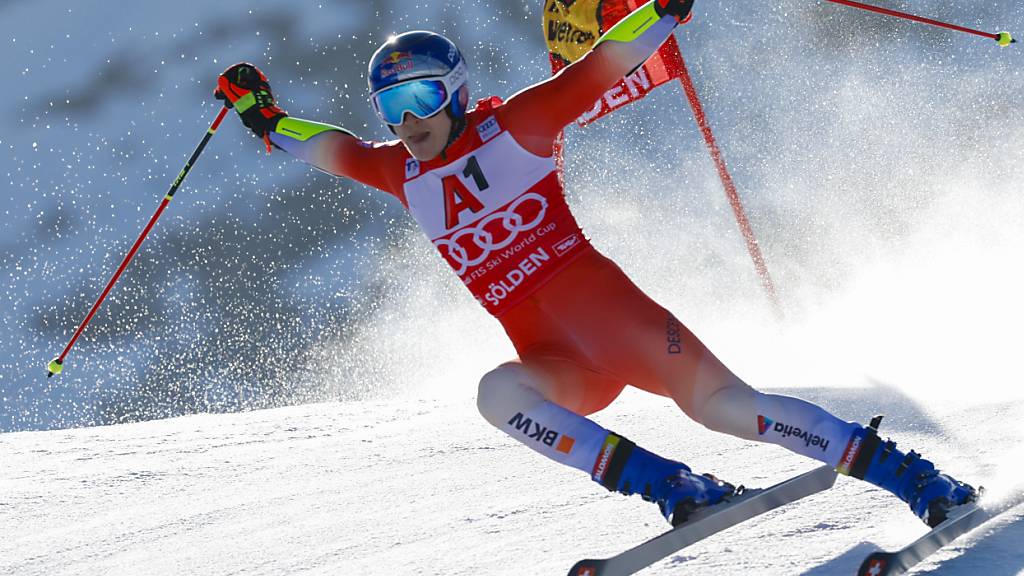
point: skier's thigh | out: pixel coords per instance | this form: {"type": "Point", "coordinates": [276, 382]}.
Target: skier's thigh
{"type": "Point", "coordinates": [645, 345]}
{"type": "Point", "coordinates": [572, 385]}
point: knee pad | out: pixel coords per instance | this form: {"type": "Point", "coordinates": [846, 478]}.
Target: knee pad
{"type": "Point", "coordinates": [505, 391]}
{"type": "Point", "coordinates": [730, 409]}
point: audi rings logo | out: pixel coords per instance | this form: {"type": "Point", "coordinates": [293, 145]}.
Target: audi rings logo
{"type": "Point", "coordinates": [494, 232]}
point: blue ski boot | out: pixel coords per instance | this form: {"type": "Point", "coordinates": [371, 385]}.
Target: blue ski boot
{"type": "Point", "coordinates": [624, 467]}
{"type": "Point", "coordinates": [930, 493]}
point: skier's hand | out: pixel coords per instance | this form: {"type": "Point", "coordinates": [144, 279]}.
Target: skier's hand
{"type": "Point", "coordinates": [244, 88]}
{"type": "Point", "coordinates": [678, 9]}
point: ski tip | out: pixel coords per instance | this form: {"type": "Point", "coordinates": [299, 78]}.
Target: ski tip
{"type": "Point", "coordinates": [878, 564]}
{"type": "Point", "coordinates": [588, 568]}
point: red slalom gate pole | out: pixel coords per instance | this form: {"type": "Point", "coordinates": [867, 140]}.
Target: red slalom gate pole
{"type": "Point", "coordinates": [57, 364]}
{"type": "Point", "coordinates": [730, 187]}
{"type": "Point", "coordinates": [1003, 38]}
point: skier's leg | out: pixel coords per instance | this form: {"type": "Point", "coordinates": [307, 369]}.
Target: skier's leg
{"type": "Point", "coordinates": [642, 343]}
{"type": "Point", "coordinates": [638, 341]}
{"type": "Point", "coordinates": [510, 398]}
{"type": "Point", "coordinates": [546, 414]}
{"type": "Point", "coordinates": [721, 401]}
{"type": "Point", "coordinates": [851, 448]}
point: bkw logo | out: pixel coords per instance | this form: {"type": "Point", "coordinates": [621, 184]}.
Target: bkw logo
{"type": "Point", "coordinates": [542, 434]}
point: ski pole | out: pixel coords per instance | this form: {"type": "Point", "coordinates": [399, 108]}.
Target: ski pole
{"type": "Point", "coordinates": [753, 248]}
{"type": "Point", "coordinates": [1003, 38]}
{"type": "Point", "coordinates": [57, 364]}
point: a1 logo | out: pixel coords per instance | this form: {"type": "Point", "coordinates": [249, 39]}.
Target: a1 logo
{"type": "Point", "coordinates": [458, 198]}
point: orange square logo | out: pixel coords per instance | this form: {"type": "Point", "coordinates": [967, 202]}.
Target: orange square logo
{"type": "Point", "coordinates": [565, 444]}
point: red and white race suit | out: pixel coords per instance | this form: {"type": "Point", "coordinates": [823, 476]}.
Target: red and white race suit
{"type": "Point", "coordinates": [497, 213]}
{"type": "Point", "coordinates": [494, 207]}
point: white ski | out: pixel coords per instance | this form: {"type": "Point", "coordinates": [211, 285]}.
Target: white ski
{"type": "Point", "coordinates": [710, 521]}
{"type": "Point", "coordinates": [961, 520]}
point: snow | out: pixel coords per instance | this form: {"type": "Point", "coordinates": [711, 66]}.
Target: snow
{"type": "Point", "coordinates": [880, 163]}
{"type": "Point", "coordinates": [425, 486]}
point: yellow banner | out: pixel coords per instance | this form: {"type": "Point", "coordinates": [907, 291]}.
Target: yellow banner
{"type": "Point", "coordinates": [571, 27]}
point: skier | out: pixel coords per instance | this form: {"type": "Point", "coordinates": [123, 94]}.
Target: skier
{"type": "Point", "coordinates": [483, 184]}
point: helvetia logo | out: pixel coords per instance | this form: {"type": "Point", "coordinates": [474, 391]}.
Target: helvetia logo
{"type": "Point", "coordinates": [785, 430]}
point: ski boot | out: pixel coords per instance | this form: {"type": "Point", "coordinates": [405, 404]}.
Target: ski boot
{"type": "Point", "coordinates": [624, 467]}
{"type": "Point", "coordinates": [930, 493]}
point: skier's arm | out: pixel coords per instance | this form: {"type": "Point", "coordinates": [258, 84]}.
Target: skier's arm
{"type": "Point", "coordinates": [545, 108]}
{"type": "Point", "coordinates": [329, 148]}
{"type": "Point", "coordinates": [334, 150]}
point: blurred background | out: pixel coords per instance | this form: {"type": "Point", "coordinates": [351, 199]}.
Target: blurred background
{"type": "Point", "coordinates": [881, 163]}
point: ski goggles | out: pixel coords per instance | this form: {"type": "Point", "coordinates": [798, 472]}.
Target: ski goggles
{"type": "Point", "coordinates": [422, 98]}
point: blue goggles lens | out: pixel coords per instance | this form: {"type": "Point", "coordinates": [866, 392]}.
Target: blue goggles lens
{"type": "Point", "coordinates": [421, 98]}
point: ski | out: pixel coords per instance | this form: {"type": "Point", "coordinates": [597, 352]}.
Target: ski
{"type": "Point", "coordinates": [961, 520]}
{"type": "Point", "coordinates": [747, 505]}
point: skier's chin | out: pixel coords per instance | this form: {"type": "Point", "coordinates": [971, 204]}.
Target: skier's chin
{"type": "Point", "coordinates": [422, 155]}
{"type": "Point", "coordinates": [424, 145]}
{"type": "Point", "coordinates": [424, 138]}
{"type": "Point", "coordinates": [424, 151]}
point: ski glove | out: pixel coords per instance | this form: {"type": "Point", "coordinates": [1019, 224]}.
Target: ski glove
{"type": "Point", "coordinates": [244, 88]}
{"type": "Point", "coordinates": [678, 9]}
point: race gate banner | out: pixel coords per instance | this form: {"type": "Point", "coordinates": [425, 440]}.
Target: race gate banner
{"type": "Point", "coordinates": [572, 26]}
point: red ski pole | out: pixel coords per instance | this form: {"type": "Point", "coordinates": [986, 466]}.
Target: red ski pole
{"type": "Point", "coordinates": [1003, 38]}
{"type": "Point", "coordinates": [753, 248]}
{"type": "Point", "coordinates": [57, 364]}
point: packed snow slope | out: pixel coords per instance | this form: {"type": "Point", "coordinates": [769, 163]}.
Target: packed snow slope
{"type": "Point", "coordinates": [424, 486]}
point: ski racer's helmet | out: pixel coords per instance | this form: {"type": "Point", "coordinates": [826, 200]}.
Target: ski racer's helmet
{"type": "Point", "coordinates": [421, 73]}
